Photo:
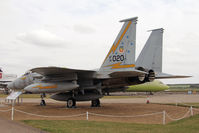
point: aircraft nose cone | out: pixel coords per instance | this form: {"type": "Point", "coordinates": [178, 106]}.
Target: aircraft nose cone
{"type": "Point", "coordinates": [16, 84]}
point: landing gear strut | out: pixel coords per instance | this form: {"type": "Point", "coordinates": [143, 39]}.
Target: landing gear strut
{"type": "Point", "coordinates": [43, 103]}
{"type": "Point", "coordinates": [95, 103]}
{"type": "Point", "coordinates": [71, 103]}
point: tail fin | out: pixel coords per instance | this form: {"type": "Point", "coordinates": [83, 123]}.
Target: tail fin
{"type": "Point", "coordinates": [122, 53]}
{"type": "Point", "coordinates": [151, 55]}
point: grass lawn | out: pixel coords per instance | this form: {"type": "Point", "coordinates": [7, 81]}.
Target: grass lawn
{"type": "Point", "coordinates": [188, 125]}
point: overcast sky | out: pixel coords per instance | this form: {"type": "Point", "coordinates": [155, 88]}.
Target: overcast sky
{"type": "Point", "coordinates": [79, 33]}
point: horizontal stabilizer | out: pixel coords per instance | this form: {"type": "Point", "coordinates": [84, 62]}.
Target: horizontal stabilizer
{"type": "Point", "coordinates": [166, 76]}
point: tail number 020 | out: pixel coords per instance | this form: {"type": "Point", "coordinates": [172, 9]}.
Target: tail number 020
{"type": "Point", "coordinates": [116, 58]}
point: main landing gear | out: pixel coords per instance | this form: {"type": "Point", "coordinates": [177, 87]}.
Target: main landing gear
{"type": "Point", "coordinates": [95, 103]}
{"type": "Point", "coordinates": [43, 103]}
{"type": "Point", "coordinates": [71, 103]}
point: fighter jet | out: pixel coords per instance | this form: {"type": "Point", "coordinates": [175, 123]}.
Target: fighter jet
{"type": "Point", "coordinates": [117, 71]}
{"type": "Point", "coordinates": [5, 79]}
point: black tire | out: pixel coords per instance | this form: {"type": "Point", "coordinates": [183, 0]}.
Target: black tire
{"type": "Point", "coordinates": [95, 103]}
{"type": "Point", "coordinates": [98, 103]}
{"type": "Point", "coordinates": [43, 103]}
{"type": "Point", "coordinates": [71, 103]}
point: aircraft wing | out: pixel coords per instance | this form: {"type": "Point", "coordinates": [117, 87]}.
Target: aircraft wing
{"type": "Point", "coordinates": [58, 71]}
{"type": "Point", "coordinates": [166, 76]}
{"type": "Point", "coordinates": [62, 73]}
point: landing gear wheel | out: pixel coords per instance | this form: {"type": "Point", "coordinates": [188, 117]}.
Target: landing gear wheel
{"type": "Point", "coordinates": [71, 103]}
{"type": "Point", "coordinates": [43, 103]}
{"type": "Point", "coordinates": [95, 103]}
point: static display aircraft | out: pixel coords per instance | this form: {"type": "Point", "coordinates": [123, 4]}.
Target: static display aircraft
{"type": "Point", "coordinates": [118, 70]}
{"type": "Point", "coordinates": [5, 79]}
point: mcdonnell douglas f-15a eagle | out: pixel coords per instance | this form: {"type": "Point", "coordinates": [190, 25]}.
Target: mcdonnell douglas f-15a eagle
{"type": "Point", "coordinates": [118, 71]}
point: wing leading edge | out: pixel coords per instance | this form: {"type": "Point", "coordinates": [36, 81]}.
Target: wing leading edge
{"type": "Point", "coordinates": [46, 71]}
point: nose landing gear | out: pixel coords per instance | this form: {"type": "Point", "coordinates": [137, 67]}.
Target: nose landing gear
{"type": "Point", "coordinates": [43, 103]}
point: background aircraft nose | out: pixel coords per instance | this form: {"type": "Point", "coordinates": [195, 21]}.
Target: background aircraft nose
{"type": "Point", "coordinates": [16, 84]}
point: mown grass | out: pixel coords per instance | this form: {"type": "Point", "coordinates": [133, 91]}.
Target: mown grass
{"type": "Point", "coordinates": [188, 125]}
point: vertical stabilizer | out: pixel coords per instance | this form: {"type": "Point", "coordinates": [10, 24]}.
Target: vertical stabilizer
{"type": "Point", "coordinates": [151, 55]}
{"type": "Point", "coordinates": [122, 53]}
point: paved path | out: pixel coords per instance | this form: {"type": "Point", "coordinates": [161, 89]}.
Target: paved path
{"type": "Point", "coordinates": [157, 98]}
{"type": "Point", "coordinates": [8, 126]}
{"type": "Point", "coordinates": [162, 98]}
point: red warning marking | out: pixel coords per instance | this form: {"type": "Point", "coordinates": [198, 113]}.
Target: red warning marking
{"type": "Point", "coordinates": [0, 75]}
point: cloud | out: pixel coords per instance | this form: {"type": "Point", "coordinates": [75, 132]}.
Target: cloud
{"type": "Point", "coordinates": [83, 29]}
{"type": "Point", "coordinates": [41, 38]}
{"type": "Point", "coordinates": [92, 26]}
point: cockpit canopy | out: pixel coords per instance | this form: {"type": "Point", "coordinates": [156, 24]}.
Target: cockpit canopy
{"type": "Point", "coordinates": [27, 73]}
